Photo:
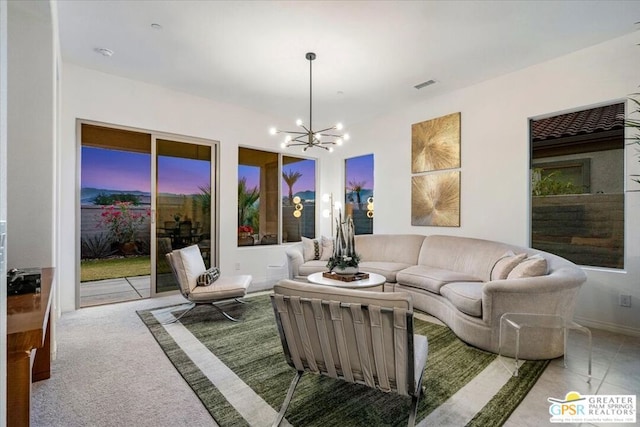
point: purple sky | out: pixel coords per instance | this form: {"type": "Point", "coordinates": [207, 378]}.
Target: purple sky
{"type": "Point", "coordinates": [360, 169]}
{"type": "Point", "coordinates": [129, 171]}
{"type": "Point", "coordinates": [305, 182]}
{"type": "Point", "coordinates": [357, 169]}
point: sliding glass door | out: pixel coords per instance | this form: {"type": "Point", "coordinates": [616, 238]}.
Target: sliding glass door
{"type": "Point", "coordinates": [143, 194]}
{"type": "Point", "coordinates": [183, 201]}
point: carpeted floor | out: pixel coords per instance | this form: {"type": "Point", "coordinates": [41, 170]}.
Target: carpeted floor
{"type": "Point", "coordinates": [455, 376]}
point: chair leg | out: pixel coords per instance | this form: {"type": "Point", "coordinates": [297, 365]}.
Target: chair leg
{"type": "Point", "coordinates": [233, 319]}
{"type": "Point", "coordinates": [240, 301]}
{"type": "Point", "coordinates": [414, 404]}
{"type": "Point", "coordinates": [287, 399]}
{"type": "Point", "coordinates": [175, 319]}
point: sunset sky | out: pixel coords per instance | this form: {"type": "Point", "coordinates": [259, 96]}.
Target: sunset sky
{"type": "Point", "coordinates": [357, 169]}
{"type": "Point", "coordinates": [129, 171]}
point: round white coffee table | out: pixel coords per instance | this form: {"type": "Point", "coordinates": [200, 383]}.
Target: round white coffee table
{"type": "Point", "coordinates": [374, 280]}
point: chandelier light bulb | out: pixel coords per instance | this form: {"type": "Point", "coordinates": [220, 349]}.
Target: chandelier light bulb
{"type": "Point", "coordinates": [326, 213]}
{"type": "Point", "coordinates": [308, 137]}
{"type": "Point", "coordinates": [283, 145]}
{"type": "Point", "coordinates": [337, 205]}
{"type": "Point", "coordinates": [346, 137]}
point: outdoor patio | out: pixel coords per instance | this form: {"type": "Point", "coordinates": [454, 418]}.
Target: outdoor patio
{"type": "Point", "coordinates": [111, 291]}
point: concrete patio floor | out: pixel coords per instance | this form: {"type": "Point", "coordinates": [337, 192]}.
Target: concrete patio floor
{"type": "Point", "coordinates": [111, 291]}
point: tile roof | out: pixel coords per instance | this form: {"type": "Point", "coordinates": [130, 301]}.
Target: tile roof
{"type": "Point", "coordinates": [583, 122]}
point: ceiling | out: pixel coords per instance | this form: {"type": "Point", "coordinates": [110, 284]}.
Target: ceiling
{"type": "Point", "coordinates": [370, 54]}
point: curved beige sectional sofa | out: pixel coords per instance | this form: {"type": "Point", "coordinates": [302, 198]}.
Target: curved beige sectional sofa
{"type": "Point", "coordinates": [469, 284]}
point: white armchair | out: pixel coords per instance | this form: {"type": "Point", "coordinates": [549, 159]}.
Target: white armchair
{"type": "Point", "coordinates": [187, 266]}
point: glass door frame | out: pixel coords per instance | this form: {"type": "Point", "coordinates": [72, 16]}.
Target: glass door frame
{"type": "Point", "coordinates": [215, 200]}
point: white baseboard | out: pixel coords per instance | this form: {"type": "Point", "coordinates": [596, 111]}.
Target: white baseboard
{"type": "Point", "coordinates": [606, 326]}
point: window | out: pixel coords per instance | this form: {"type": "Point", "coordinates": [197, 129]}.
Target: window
{"type": "Point", "coordinates": [298, 199]}
{"type": "Point", "coordinates": [359, 192]}
{"type": "Point", "coordinates": [260, 203]}
{"type": "Point", "coordinates": [577, 186]}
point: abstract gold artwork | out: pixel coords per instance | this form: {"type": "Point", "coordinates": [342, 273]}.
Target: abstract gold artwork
{"type": "Point", "coordinates": [435, 144]}
{"type": "Point", "coordinates": [435, 199]}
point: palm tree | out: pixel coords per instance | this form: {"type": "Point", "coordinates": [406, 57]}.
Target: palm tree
{"type": "Point", "coordinates": [290, 178]}
{"type": "Point", "coordinates": [246, 199]}
{"type": "Point", "coordinates": [356, 187]}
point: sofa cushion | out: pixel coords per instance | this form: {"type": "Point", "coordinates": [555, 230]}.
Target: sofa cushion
{"type": "Point", "coordinates": [476, 257]}
{"type": "Point", "coordinates": [533, 266]}
{"type": "Point", "coordinates": [465, 296]}
{"type": "Point", "coordinates": [311, 267]}
{"type": "Point", "coordinates": [402, 248]}
{"type": "Point", "coordinates": [431, 278]}
{"type": "Point", "coordinates": [505, 264]}
{"type": "Point", "coordinates": [311, 249]}
{"type": "Point", "coordinates": [388, 269]}
{"type": "Point", "coordinates": [327, 248]}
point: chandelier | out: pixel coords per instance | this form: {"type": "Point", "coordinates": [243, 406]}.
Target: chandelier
{"type": "Point", "coordinates": [323, 138]}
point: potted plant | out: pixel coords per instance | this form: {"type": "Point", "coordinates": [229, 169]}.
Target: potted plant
{"type": "Point", "coordinates": [123, 224]}
{"type": "Point", "coordinates": [344, 260]}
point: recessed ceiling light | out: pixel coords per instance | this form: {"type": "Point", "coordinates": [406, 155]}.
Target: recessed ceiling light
{"type": "Point", "coordinates": [104, 51]}
{"type": "Point", "coordinates": [425, 84]}
{"type": "Point", "coordinates": [156, 26]}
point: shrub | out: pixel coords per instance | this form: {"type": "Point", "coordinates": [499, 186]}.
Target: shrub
{"type": "Point", "coordinates": [98, 246]}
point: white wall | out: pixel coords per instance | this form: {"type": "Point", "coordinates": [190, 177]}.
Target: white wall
{"type": "Point", "coordinates": [495, 200]}
{"type": "Point", "coordinates": [31, 136]}
{"type": "Point", "coordinates": [92, 95]}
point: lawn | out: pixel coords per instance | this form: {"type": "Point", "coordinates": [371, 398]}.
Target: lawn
{"type": "Point", "coordinates": [110, 268]}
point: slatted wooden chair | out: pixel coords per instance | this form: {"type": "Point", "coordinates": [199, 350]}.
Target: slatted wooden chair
{"type": "Point", "coordinates": [353, 335]}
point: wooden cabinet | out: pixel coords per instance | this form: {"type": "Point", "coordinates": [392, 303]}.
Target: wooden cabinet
{"type": "Point", "coordinates": [28, 347]}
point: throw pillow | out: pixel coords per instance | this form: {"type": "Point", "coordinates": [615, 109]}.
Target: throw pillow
{"type": "Point", "coordinates": [533, 266]}
{"type": "Point", "coordinates": [208, 277]}
{"type": "Point", "coordinates": [310, 249]}
{"type": "Point", "coordinates": [327, 248]}
{"type": "Point", "coordinates": [505, 264]}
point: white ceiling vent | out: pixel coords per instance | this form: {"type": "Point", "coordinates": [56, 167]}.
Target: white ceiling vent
{"type": "Point", "coordinates": [425, 84]}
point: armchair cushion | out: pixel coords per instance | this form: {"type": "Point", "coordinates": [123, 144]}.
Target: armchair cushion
{"type": "Point", "coordinates": [189, 266]}
{"type": "Point", "coordinates": [226, 287]}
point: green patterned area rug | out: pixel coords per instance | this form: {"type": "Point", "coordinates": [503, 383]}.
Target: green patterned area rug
{"type": "Point", "coordinates": [252, 350]}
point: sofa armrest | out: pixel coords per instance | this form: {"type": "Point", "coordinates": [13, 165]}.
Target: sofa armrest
{"type": "Point", "coordinates": [551, 294]}
{"type": "Point", "coordinates": [295, 259]}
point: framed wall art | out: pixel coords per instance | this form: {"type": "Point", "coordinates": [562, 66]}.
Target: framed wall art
{"type": "Point", "coordinates": [435, 199]}
{"type": "Point", "coordinates": [435, 144]}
